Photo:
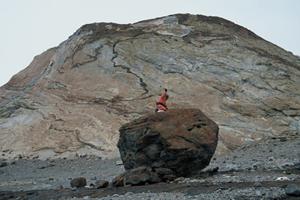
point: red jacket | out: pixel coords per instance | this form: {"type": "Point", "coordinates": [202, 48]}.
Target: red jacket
{"type": "Point", "coordinates": [161, 103]}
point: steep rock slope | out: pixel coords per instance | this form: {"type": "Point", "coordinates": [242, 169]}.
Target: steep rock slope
{"type": "Point", "coordinates": [74, 97]}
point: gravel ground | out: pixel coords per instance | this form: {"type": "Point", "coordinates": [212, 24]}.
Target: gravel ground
{"type": "Point", "coordinates": [24, 175]}
{"type": "Point", "coordinates": [259, 162]}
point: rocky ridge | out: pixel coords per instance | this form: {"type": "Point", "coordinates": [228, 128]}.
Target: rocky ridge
{"type": "Point", "coordinates": [72, 99]}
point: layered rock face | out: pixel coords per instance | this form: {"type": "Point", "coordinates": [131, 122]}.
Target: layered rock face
{"type": "Point", "coordinates": [182, 140]}
{"type": "Point", "coordinates": [75, 97]}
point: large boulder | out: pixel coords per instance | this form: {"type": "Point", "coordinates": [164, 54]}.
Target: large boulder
{"type": "Point", "coordinates": [183, 140]}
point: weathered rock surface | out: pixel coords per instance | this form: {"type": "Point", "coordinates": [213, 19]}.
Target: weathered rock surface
{"type": "Point", "coordinates": [74, 97]}
{"type": "Point", "coordinates": [183, 140]}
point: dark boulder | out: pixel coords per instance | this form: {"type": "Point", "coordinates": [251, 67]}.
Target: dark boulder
{"type": "Point", "coordinates": [78, 182]}
{"type": "Point", "coordinates": [183, 140]}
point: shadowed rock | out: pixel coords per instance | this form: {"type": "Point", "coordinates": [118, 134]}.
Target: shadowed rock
{"type": "Point", "coordinates": [183, 140]}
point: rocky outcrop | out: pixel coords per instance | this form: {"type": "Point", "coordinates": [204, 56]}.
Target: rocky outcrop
{"type": "Point", "coordinates": [74, 97]}
{"type": "Point", "coordinates": [182, 140]}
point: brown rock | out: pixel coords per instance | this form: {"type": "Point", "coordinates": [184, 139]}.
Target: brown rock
{"type": "Point", "coordinates": [183, 140]}
{"type": "Point", "coordinates": [119, 180]}
{"type": "Point", "coordinates": [137, 176]}
{"type": "Point", "coordinates": [179, 179]}
{"type": "Point", "coordinates": [78, 182]}
{"type": "Point", "coordinates": [101, 184]}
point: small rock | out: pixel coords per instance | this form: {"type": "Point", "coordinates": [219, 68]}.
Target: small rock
{"type": "Point", "coordinates": [101, 184]}
{"type": "Point", "coordinates": [209, 182]}
{"type": "Point", "coordinates": [29, 193]}
{"type": "Point", "coordinates": [179, 179]}
{"type": "Point", "coordinates": [128, 194]}
{"type": "Point", "coordinates": [118, 181]}
{"type": "Point", "coordinates": [297, 166]}
{"type": "Point", "coordinates": [60, 187]}
{"type": "Point", "coordinates": [257, 164]}
{"type": "Point", "coordinates": [92, 185]}
{"type": "Point", "coordinates": [42, 167]}
{"type": "Point", "coordinates": [282, 179]}
{"type": "Point", "coordinates": [119, 162]}
{"type": "Point", "coordinates": [286, 164]}
{"type": "Point", "coordinates": [164, 171]}
{"type": "Point", "coordinates": [3, 164]}
{"type": "Point", "coordinates": [271, 159]}
{"type": "Point", "coordinates": [167, 178]}
{"type": "Point", "coordinates": [78, 182]}
{"type": "Point", "coordinates": [292, 190]}
{"type": "Point", "coordinates": [137, 176]}
{"type": "Point", "coordinates": [210, 172]}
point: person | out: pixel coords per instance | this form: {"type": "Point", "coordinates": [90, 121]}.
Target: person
{"type": "Point", "coordinates": [161, 103]}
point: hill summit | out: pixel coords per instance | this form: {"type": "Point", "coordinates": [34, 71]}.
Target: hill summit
{"type": "Point", "coordinates": [73, 98]}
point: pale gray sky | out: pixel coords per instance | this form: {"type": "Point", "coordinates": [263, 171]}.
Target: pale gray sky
{"type": "Point", "coordinates": [29, 27]}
